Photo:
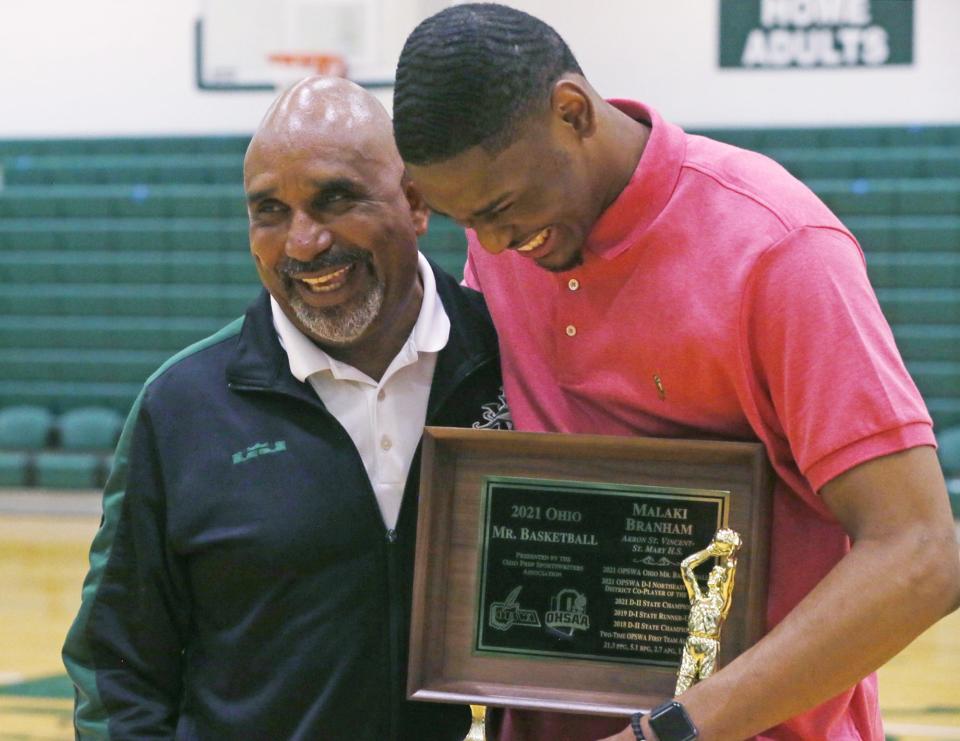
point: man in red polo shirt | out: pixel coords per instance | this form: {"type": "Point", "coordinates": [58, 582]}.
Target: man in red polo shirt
{"type": "Point", "coordinates": [648, 282]}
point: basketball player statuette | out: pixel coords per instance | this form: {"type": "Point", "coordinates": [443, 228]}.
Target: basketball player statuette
{"type": "Point", "coordinates": [708, 609]}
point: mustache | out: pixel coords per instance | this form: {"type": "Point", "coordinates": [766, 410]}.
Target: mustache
{"type": "Point", "coordinates": [335, 257]}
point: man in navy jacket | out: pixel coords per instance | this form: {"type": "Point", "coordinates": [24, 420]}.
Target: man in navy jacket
{"type": "Point", "coordinates": [252, 574]}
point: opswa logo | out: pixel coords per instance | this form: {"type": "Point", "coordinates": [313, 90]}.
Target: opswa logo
{"type": "Point", "coordinates": [504, 615]}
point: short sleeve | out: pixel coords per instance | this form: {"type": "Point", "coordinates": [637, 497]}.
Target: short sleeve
{"type": "Point", "coordinates": [825, 358]}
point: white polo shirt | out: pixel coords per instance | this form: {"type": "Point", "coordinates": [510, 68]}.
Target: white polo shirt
{"type": "Point", "coordinates": [385, 420]}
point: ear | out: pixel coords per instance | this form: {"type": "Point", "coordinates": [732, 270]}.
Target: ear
{"type": "Point", "coordinates": [572, 105]}
{"type": "Point", "coordinates": [419, 211]}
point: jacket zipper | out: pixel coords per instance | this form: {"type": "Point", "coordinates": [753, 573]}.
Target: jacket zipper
{"type": "Point", "coordinates": [395, 618]}
{"type": "Point", "coordinates": [394, 581]}
{"type": "Point", "coordinates": [393, 561]}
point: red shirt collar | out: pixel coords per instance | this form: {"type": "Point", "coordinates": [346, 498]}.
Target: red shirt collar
{"type": "Point", "coordinates": [649, 189]}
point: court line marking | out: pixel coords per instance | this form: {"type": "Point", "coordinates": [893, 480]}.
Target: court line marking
{"type": "Point", "coordinates": [919, 729]}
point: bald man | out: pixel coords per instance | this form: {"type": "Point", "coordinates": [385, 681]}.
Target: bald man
{"type": "Point", "coordinates": [252, 575]}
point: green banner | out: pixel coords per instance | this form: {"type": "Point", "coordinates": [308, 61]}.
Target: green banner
{"type": "Point", "coordinates": [777, 34]}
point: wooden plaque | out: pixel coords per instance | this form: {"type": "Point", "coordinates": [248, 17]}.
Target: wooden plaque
{"type": "Point", "coordinates": [547, 565]}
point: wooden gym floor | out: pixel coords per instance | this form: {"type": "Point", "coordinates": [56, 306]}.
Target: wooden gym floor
{"type": "Point", "coordinates": [44, 541]}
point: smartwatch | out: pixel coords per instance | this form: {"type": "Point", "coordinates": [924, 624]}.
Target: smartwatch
{"type": "Point", "coordinates": [669, 721]}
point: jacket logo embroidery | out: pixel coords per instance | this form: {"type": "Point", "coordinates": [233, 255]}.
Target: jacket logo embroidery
{"type": "Point", "coordinates": [258, 449]}
{"type": "Point", "coordinates": [496, 415]}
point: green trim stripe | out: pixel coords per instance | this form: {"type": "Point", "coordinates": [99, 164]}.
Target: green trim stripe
{"type": "Point", "coordinates": [90, 716]}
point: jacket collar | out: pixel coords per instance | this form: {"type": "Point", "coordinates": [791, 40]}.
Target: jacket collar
{"type": "Point", "coordinates": [472, 343]}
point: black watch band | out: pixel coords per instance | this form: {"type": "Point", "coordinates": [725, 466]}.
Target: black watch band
{"type": "Point", "coordinates": [669, 721]}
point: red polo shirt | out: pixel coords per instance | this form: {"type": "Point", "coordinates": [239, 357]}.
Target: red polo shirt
{"type": "Point", "coordinates": [718, 298]}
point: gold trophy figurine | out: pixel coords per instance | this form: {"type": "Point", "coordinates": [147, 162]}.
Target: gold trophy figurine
{"type": "Point", "coordinates": [707, 610]}
{"type": "Point", "coordinates": [478, 727]}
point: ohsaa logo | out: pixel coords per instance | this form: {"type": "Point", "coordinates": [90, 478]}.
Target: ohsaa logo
{"type": "Point", "coordinates": [568, 612]}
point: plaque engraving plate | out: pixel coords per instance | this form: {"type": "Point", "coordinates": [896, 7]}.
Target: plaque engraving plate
{"type": "Point", "coordinates": [589, 570]}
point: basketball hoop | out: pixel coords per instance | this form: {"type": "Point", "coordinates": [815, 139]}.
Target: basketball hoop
{"type": "Point", "coordinates": [306, 63]}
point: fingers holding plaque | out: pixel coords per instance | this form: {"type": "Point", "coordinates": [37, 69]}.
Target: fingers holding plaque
{"type": "Point", "coordinates": [548, 567]}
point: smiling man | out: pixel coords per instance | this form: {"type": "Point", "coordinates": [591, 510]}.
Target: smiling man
{"type": "Point", "coordinates": [648, 282]}
{"type": "Point", "coordinates": [355, 282]}
{"type": "Point", "coordinates": [252, 575]}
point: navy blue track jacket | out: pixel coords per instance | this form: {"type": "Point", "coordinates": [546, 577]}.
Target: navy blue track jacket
{"type": "Point", "coordinates": [242, 583]}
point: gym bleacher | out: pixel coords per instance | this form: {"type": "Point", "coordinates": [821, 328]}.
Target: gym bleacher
{"type": "Point", "coordinates": [115, 253]}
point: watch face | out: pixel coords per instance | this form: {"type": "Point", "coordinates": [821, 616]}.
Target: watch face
{"type": "Point", "coordinates": [672, 724]}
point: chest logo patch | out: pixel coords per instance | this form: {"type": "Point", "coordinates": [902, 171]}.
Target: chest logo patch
{"type": "Point", "coordinates": [658, 382]}
{"type": "Point", "coordinates": [258, 449]}
{"type": "Point", "coordinates": [496, 415]}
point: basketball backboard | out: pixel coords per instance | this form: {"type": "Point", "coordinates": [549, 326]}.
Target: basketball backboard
{"type": "Point", "coordinates": [256, 45]}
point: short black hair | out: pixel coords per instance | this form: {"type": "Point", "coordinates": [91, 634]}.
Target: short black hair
{"type": "Point", "coordinates": [469, 75]}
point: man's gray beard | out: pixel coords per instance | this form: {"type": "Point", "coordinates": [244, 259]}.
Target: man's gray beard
{"type": "Point", "coordinates": [340, 325]}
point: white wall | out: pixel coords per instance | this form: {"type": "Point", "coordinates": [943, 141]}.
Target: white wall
{"type": "Point", "coordinates": [116, 67]}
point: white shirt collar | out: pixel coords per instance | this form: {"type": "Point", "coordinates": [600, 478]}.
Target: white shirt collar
{"type": "Point", "coordinates": [429, 334]}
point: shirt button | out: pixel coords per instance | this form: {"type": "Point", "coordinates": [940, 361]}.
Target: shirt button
{"type": "Point", "coordinates": [573, 284]}
{"type": "Point", "coordinates": [571, 330]}
{"type": "Point", "coordinates": [386, 443]}
{"type": "Point", "coordinates": [381, 395]}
